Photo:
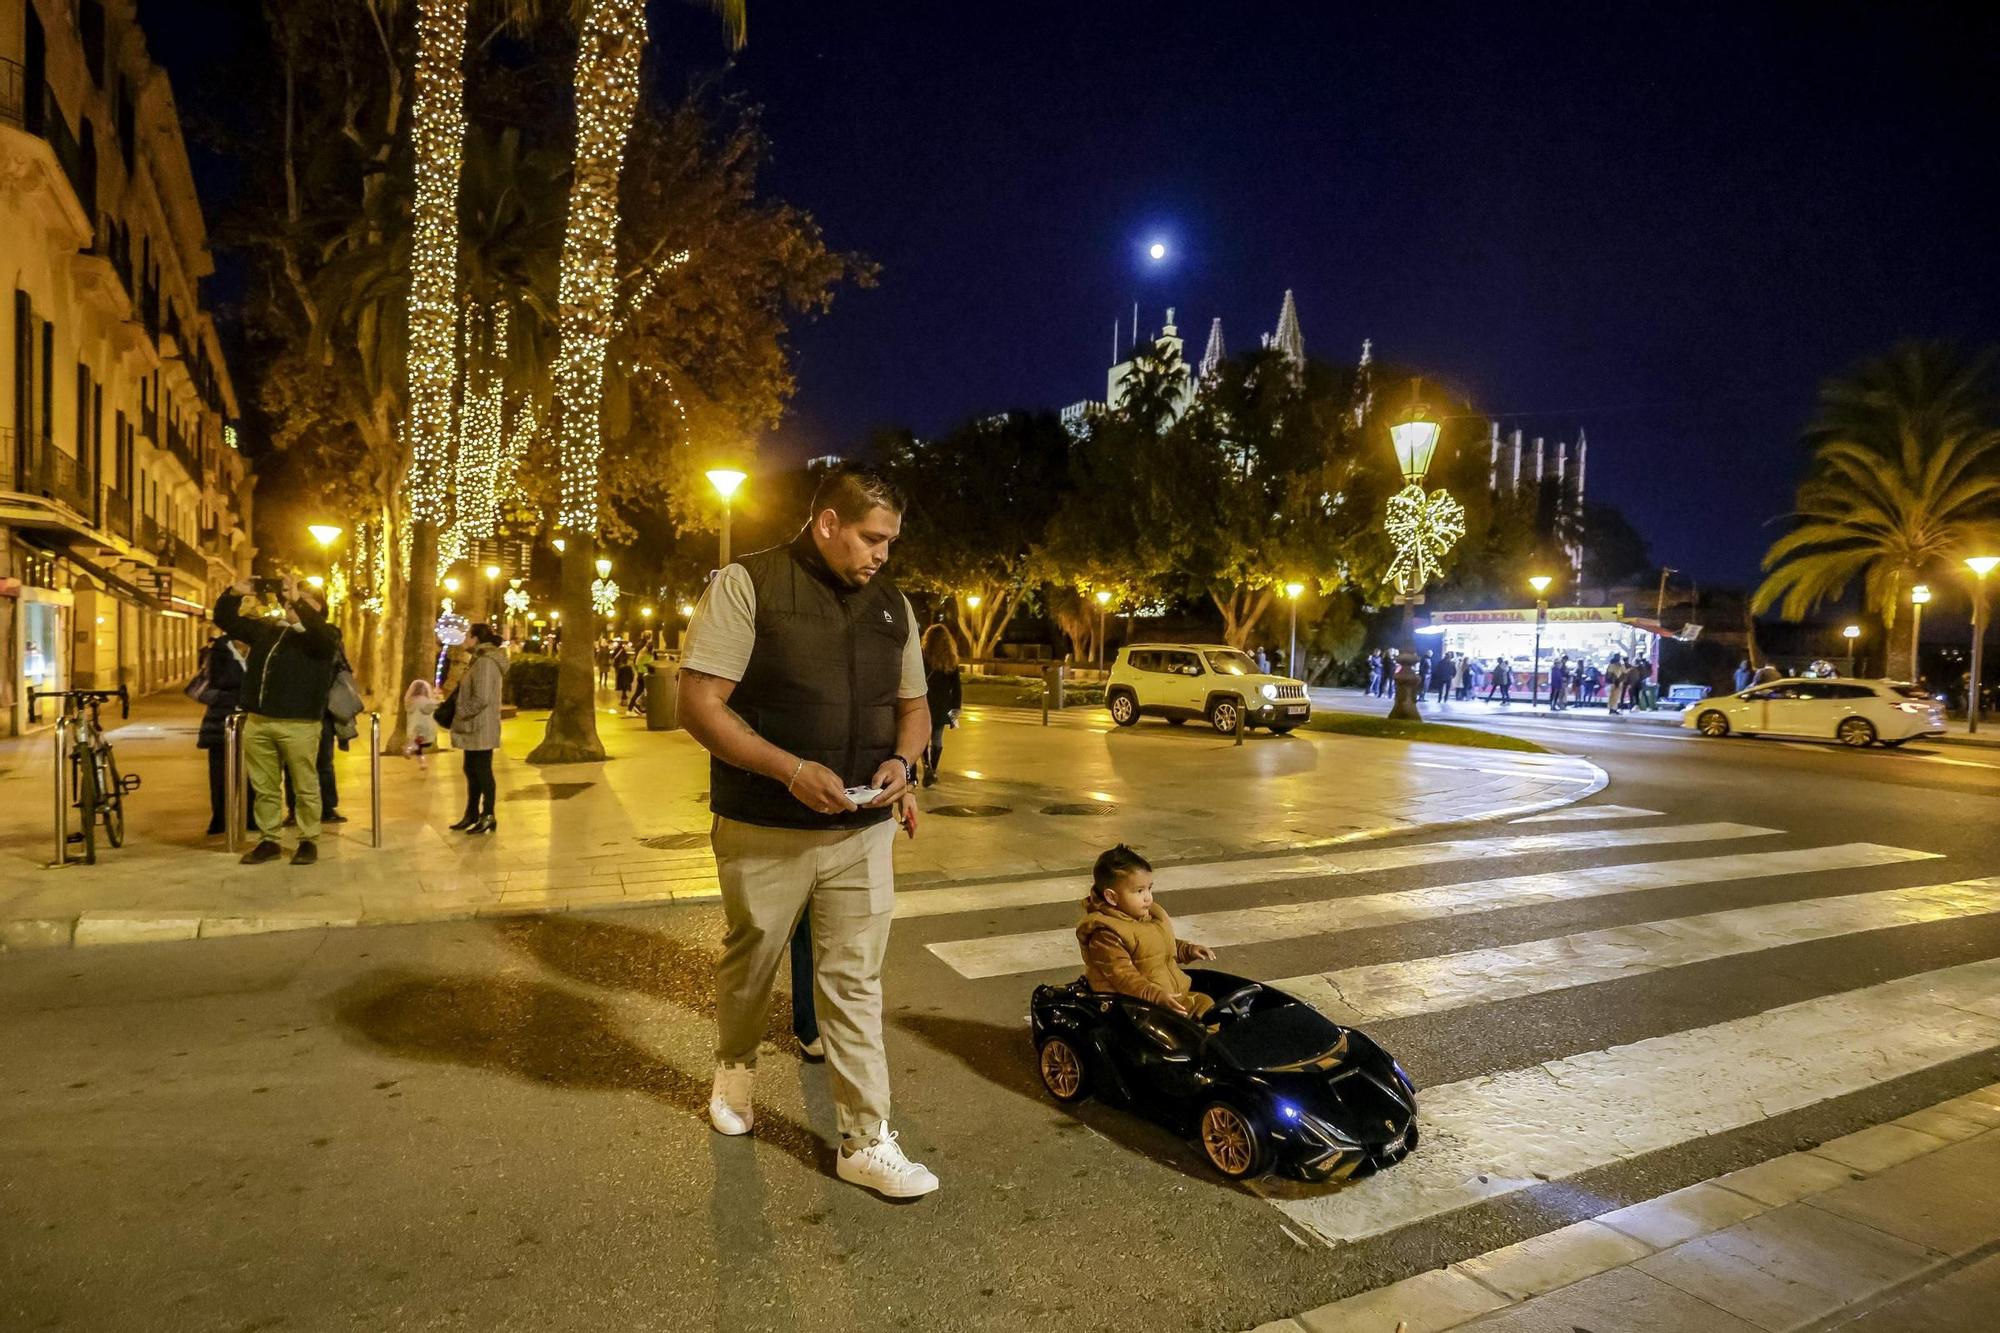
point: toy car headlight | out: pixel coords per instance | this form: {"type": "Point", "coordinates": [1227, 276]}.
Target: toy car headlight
{"type": "Point", "coordinates": [1268, 691]}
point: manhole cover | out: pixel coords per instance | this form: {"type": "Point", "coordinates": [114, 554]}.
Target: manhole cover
{"type": "Point", "coordinates": [971, 811]}
{"type": "Point", "coordinates": [1081, 808]}
{"type": "Point", "coordinates": [549, 791]}
{"type": "Point", "coordinates": [675, 842]}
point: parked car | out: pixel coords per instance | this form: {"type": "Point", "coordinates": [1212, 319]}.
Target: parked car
{"type": "Point", "coordinates": [1262, 1081]}
{"type": "Point", "coordinates": [1853, 712]}
{"type": "Point", "coordinates": [1179, 681]}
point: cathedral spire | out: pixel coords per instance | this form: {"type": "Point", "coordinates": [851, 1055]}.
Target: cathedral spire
{"type": "Point", "coordinates": [1364, 384]}
{"type": "Point", "coordinates": [1288, 339]}
{"type": "Point", "coordinates": [1212, 357]}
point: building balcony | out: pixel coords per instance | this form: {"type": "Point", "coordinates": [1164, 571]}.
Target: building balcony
{"type": "Point", "coordinates": [118, 512]}
{"type": "Point", "coordinates": [146, 532]}
{"type": "Point", "coordinates": [38, 468]}
{"type": "Point", "coordinates": [188, 559]}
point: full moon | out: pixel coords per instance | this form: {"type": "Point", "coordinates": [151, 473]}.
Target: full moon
{"type": "Point", "coordinates": [1157, 250]}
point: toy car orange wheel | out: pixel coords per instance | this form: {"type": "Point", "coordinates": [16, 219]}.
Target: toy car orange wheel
{"type": "Point", "coordinates": [1063, 1072]}
{"type": "Point", "coordinates": [1231, 1141]}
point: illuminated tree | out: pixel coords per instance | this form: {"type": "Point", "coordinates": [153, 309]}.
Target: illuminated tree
{"type": "Point", "coordinates": [607, 93]}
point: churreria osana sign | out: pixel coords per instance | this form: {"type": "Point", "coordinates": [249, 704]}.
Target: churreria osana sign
{"type": "Point", "coordinates": [1573, 615]}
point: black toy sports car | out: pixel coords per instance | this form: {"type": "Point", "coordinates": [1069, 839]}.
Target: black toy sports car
{"type": "Point", "coordinates": [1262, 1079]}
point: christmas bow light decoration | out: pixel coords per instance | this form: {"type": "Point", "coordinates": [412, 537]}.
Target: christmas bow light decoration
{"type": "Point", "coordinates": [1422, 528]}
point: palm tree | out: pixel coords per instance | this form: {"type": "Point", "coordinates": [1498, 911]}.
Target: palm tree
{"type": "Point", "coordinates": [607, 95]}
{"type": "Point", "coordinates": [1905, 477]}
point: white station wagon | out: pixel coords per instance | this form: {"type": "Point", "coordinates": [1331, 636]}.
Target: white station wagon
{"type": "Point", "coordinates": [1853, 712]}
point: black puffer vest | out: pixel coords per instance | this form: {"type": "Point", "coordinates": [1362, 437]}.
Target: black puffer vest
{"type": "Point", "coordinates": [822, 683]}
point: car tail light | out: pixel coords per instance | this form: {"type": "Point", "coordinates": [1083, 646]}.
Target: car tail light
{"type": "Point", "coordinates": [1908, 707]}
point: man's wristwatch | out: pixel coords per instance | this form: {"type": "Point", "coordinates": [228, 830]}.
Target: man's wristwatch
{"type": "Point", "coordinates": [909, 770]}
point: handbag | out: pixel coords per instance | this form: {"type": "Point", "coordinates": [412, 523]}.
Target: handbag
{"type": "Point", "coordinates": [446, 711]}
{"type": "Point", "coordinates": [198, 688]}
{"type": "Point", "coordinates": [343, 699]}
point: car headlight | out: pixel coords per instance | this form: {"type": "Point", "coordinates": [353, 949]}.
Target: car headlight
{"type": "Point", "coordinates": [1268, 691]}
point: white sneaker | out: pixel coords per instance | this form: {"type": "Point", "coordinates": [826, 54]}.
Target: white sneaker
{"type": "Point", "coordinates": [814, 1049]}
{"type": "Point", "coordinates": [729, 1108]}
{"type": "Point", "coordinates": [882, 1167]}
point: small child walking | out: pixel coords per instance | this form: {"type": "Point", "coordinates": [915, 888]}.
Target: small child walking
{"type": "Point", "coordinates": [419, 703]}
{"type": "Point", "coordinates": [1128, 941]}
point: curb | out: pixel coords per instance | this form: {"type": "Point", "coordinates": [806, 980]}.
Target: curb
{"type": "Point", "coordinates": [111, 926]}
{"type": "Point", "coordinates": [1514, 1275]}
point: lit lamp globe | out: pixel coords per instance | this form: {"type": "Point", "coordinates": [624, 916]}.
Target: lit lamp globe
{"type": "Point", "coordinates": [646, 611]}
{"type": "Point", "coordinates": [492, 572]}
{"type": "Point", "coordinates": [1416, 443]}
{"type": "Point", "coordinates": [972, 599]}
{"type": "Point", "coordinates": [1540, 583]}
{"type": "Point", "coordinates": [726, 480]}
{"type": "Point", "coordinates": [687, 609]}
{"type": "Point", "coordinates": [1157, 250]}
{"type": "Point", "coordinates": [1103, 597]}
{"type": "Point", "coordinates": [1294, 591]}
{"type": "Point", "coordinates": [451, 585]}
{"type": "Point", "coordinates": [324, 533]}
{"type": "Point", "coordinates": [559, 544]}
{"type": "Point", "coordinates": [1851, 633]}
{"type": "Point", "coordinates": [1982, 565]}
{"type": "Point", "coordinates": [603, 568]}
{"type": "Point", "coordinates": [1920, 595]}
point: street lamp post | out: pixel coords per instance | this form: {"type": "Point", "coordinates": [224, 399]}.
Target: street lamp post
{"type": "Point", "coordinates": [1540, 583]}
{"type": "Point", "coordinates": [1292, 592]}
{"type": "Point", "coordinates": [492, 572]}
{"type": "Point", "coordinates": [326, 534]}
{"type": "Point", "coordinates": [725, 480]}
{"type": "Point", "coordinates": [1853, 636]}
{"type": "Point", "coordinates": [1981, 565]}
{"type": "Point", "coordinates": [1103, 601]}
{"type": "Point", "coordinates": [1919, 595]}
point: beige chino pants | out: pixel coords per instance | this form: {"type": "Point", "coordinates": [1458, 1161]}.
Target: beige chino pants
{"type": "Point", "coordinates": [847, 877]}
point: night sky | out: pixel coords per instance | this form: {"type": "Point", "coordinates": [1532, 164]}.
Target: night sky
{"type": "Point", "coordinates": [1665, 227]}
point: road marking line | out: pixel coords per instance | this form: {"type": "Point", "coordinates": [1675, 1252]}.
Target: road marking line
{"type": "Point", "coordinates": [1500, 1133]}
{"type": "Point", "coordinates": [1349, 861]}
{"type": "Point", "coordinates": [1042, 950]}
{"type": "Point", "coordinates": [1358, 995]}
{"type": "Point", "coordinates": [1578, 813]}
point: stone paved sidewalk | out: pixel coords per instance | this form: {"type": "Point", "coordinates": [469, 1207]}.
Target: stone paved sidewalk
{"type": "Point", "coordinates": [1018, 799]}
{"type": "Point", "coordinates": [1894, 1229]}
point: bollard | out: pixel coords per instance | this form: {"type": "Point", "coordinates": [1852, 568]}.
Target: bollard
{"type": "Point", "coordinates": [1045, 698]}
{"type": "Point", "coordinates": [374, 779]}
{"type": "Point", "coordinates": [1242, 715]}
{"type": "Point", "coordinates": [234, 782]}
{"type": "Point", "coordinates": [62, 806]}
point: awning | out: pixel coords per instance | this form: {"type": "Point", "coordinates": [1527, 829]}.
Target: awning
{"type": "Point", "coordinates": [117, 582]}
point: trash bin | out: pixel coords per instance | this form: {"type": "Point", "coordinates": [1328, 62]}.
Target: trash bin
{"type": "Point", "coordinates": [1053, 676]}
{"type": "Point", "coordinates": [663, 697]}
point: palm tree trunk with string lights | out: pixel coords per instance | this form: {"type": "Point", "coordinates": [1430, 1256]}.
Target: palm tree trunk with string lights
{"type": "Point", "coordinates": [437, 131]}
{"type": "Point", "coordinates": [607, 95]}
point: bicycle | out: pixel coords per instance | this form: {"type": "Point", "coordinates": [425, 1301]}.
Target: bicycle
{"type": "Point", "coordinates": [97, 790]}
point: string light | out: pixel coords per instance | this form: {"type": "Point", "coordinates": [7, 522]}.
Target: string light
{"type": "Point", "coordinates": [438, 120]}
{"type": "Point", "coordinates": [607, 92]}
{"type": "Point", "coordinates": [1422, 528]}
{"type": "Point", "coordinates": [479, 424]}
{"type": "Point", "coordinates": [508, 492]}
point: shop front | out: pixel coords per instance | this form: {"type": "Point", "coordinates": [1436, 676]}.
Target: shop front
{"type": "Point", "coordinates": [1587, 635]}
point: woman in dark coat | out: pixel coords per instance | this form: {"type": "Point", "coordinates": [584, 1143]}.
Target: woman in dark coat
{"type": "Point", "coordinates": [947, 694]}
{"type": "Point", "coordinates": [223, 662]}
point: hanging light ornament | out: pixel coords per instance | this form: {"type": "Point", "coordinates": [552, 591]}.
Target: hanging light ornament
{"type": "Point", "coordinates": [516, 601]}
{"type": "Point", "coordinates": [1423, 528]}
{"type": "Point", "coordinates": [604, 596]}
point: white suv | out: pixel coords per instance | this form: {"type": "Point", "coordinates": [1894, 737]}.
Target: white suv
{"type": "Point", "coordinates": [1178, 681]}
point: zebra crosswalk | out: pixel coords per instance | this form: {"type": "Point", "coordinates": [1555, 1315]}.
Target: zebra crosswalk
{"type": "Point", "coordinates": [1503, 1129]}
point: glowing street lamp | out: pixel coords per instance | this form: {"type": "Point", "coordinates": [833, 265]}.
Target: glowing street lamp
{"type": "Point", "coordinates": [603, 567]}
{"type": "Point", "coordinates": [1981, 565]}
{"type": "Point", "coordinates": [560, 545]}
{"type": "Point", "coordinates": [451, 584]}
{"type": "Point", "coordinates": [1293, 591]}
{"type": "Point", "coordinates": [1103, 601]}
{"type": "Point", "coordinates": [1919, 596]}
{"type": "Point", "coordinates": [1157, 251]}
{"type": "Point", "coordinates": [326, 534]}
{"type": "Point", "coordinates": [1540, 583]}
{"type": "Point", "coordinates": [725, 480]}
{"type": "Point", "coordinates": [972, 599]}
{"type": "Point", "coordinates": [1416, 442]}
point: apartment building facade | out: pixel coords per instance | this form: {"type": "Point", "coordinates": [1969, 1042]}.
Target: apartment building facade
{"type": "Point", "coordinates": [124, 502]}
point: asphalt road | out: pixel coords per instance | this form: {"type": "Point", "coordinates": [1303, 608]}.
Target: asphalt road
{"type": "Point", "coordinates": [499, 1124]}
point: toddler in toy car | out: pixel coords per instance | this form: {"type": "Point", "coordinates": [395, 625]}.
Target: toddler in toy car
{"type": "Point", "coordinates": [1128, 940]}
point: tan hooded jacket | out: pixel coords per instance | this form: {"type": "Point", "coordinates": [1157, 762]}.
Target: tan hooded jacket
{"type": "Point", "coordinates": [1132, 957]}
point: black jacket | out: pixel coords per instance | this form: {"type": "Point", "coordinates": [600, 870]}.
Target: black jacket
{"type": "Point", "coordinates": [947, 694]}
{"type": "Point", "coordinates": [290, 670]}
{"type": "Point", "coordinates": [225, 683]}
{"type": "Point", "coordinates": [822, 683]}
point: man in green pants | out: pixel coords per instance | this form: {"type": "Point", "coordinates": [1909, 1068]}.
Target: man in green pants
{"type": "Point", "coordinates": [285, 684]}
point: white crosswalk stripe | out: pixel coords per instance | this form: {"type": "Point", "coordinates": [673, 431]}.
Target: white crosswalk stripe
{"type": "Point", "coordinates": [1033, 951]}
{"type": "Point", "coordinates": [1359, 995]}
{"type": "Point", "coordinates": [1576, 814]}
{"type": "Point", "coordinates": [1345, 861]}
{"type": "Point", "coordinates": [1498, 1134]}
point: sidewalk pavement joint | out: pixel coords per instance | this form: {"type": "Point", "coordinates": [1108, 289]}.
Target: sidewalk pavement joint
{"type": "Point", "coordinates": [1779, 1246]}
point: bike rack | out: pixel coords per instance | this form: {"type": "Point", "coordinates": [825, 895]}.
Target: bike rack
{"type": "Point", "coordinates": [62, 857]}
{"type": "Point", "coordinates": [375, 780]}
{"type": "Point", "coordinates": [235, 782]}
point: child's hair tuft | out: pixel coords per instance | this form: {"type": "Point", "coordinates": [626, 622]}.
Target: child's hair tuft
{"type": "Point", "coordinates": [1113, 866]}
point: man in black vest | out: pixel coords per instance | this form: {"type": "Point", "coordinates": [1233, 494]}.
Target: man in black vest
{"type": "Point", "coordinates": [803, 679]}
